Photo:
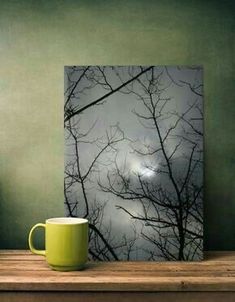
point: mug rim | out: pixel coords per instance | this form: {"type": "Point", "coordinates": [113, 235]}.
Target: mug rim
{"type": "Point", "coordinates": [66, 220]}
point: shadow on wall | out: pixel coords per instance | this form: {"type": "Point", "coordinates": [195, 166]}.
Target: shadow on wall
{"type": "Point", "coordinates": [19, 210]}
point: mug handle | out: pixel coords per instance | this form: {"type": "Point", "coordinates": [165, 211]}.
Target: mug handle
{"type": "Point", "coordinates": [30, 240]}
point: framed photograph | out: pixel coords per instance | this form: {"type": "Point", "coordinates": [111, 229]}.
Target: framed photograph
{"type": "Point", "coordinates": [134, 160]}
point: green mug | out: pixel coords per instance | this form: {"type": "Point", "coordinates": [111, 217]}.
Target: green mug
{"type": "Point", "coordinates": [66, 243]}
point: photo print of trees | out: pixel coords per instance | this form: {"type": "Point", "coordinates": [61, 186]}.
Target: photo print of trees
{"type": "Point", "coordinates": [134, 160]}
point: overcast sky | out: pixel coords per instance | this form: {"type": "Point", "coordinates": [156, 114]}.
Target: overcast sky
{"type": "Point", "coordinates": [119, 110]}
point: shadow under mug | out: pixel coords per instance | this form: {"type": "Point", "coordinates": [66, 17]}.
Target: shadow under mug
{"type": "Point", "coordinates": [66, 243]}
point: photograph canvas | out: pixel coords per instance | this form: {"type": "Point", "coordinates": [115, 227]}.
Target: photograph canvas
{"type": "Point", "coordinates": [134, 160]}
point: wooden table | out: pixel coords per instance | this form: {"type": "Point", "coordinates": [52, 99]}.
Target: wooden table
{"type": "Point", "coordinates": [26, 277]}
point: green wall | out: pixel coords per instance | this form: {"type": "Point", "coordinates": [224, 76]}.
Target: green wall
{"type": "Point", "coordinates": [37, 38]}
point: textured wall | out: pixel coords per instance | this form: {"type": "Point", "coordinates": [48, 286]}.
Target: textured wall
{"type": "Point", "coordinates": [37, 38]}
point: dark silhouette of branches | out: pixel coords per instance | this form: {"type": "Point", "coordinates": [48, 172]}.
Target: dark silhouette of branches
{"type": "Point", "coordinates": [69, 115]}
{"type": "Point", "coordinates": [165, 196]}
{"type": "Point", "coordinates": [71, 93]}
{"type": "Point", "coordinates": [193, 88]}
{"type": "Point", "coordinates": [172, 213]}
{"type": "Point", "coordinates": [80, 177]}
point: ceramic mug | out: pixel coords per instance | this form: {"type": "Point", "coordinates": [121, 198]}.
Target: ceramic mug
{"type": "Point", "coordinates": [66, 243]}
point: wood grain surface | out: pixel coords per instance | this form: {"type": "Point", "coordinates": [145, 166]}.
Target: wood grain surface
{"type": "Point", "coordinates": [117, 297]}
{"type": "Point", "coordinates": [23, 271]}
